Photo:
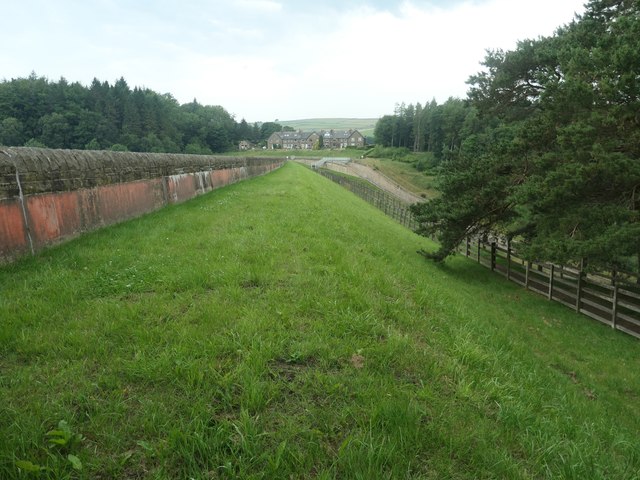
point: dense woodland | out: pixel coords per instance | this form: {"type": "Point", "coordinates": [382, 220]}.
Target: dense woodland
{"type": "Point", "coordinates": [37, 112]}
{"type": "Point", "coordinates": [437, 129]}
{"type": "Point", "coordinates": [546, 147]}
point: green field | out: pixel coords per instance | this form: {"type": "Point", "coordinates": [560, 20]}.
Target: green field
{"type": "Point", "coordinates": [283, 328]}
{"type": "Point", "coordinates": [364, 125]}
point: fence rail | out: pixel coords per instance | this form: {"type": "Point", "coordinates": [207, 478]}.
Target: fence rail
{"type": "Point", "coordinates": [612, 298]}
{"type": "Point", "coordinates": [389, 204]}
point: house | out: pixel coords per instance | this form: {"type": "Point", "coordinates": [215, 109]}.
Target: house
{"type": "Point", "coordinates": [245, 145]}
{"type": "Point", "coordinates": [338, 139]}
{"type": "Point", "coordinates": [332, 139]}
{"type": "Point", "coordinates": [292, 140]}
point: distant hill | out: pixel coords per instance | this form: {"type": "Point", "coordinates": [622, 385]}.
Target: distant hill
{"type": "Point", "coordinates": [363, 125]}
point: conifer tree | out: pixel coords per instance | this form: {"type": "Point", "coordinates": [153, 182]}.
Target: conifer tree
{"type": "Point", "coordinates": [557, 164]}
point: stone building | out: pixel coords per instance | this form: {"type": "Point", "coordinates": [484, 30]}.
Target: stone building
{"type": "Point", "coordinates": [292, 140]}
{"type": "Point", "coordinates": [338, 139]}
{"type": "Point", "coordinates": [331, 139]}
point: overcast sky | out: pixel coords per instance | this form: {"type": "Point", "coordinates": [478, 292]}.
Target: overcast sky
{"type": "Point", "coordinates": [274, 59]}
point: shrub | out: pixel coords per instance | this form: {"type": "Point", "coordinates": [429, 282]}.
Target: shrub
{"type": "Point", "coordinates": [118, 147]}
{"type": "Point", "coordinates": [394, 153]}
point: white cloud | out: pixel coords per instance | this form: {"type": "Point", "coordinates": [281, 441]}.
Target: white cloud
{"type": "Point", "coordinates": [247, 87]}
{"type": "Point", "coordinates": [260, 5]}
{"type": "Point", "coordinates": [266, 59]}
{"type": "Point", "coordinates": [377, 58]}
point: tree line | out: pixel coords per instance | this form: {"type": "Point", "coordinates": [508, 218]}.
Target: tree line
{"type": "Point", "coordinates": [437, 129]}
{"type": "Point", "coordinates": [545, 149]}
{"type": "Point", "coordinates": [57, 114]}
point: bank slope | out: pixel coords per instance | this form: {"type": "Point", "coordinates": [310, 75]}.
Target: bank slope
{"type": "Point", "coordinates": [283, 328]}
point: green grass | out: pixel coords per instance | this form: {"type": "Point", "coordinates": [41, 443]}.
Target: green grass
{"type": "Point", "coordinates": [405, 175]}
{"type": "Point", "coordinates": [283, 328]}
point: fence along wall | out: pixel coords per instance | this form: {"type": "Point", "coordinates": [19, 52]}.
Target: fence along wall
{"type": "Point", "coordinates": [48, 196]}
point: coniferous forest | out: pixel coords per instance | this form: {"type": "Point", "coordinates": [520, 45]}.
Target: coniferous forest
{"type": "Point", "coordinates": [35, 111]}
{"type": "Point", "coordinates": [545, 149]}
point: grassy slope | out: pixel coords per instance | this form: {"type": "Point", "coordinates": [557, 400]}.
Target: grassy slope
{"type": "Point", "coordinates": [404, 174]}
{"type": "Point", "coordinates": [282, 328]}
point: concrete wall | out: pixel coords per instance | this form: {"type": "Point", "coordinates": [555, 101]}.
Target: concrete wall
{"type": "Point", "coordinates": [48, 196]}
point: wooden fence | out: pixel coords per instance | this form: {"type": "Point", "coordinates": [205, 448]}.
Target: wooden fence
{"type": "Point", "coordinates": [612, 298]}
{"type": "Point", "coordinates": [389, 204]}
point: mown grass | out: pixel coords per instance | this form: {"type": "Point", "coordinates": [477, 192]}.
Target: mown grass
{"type": "Point", "coordinates": [283, 328]}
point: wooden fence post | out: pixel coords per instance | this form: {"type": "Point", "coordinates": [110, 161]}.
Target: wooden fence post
{"type": "Point", "coordinates": [493, 256]}
{"type": "Point", "coordinates": [468, 251]}
{"type": "Point", "coordinates": [508, 259]}
{"type": "Point", "coordinates": [550, 295]}
{"type": "Point", "coordinates": [526, 274]}
{"type": "Point", "coordinates": [614, 307]}
{"type": "Point", "coordinates": [479, 242]}
{"type": "Point", "coordinates": [579, 287]}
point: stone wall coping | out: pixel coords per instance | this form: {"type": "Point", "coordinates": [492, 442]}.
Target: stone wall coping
{"type": "Point", "coordinates": [44, 170]}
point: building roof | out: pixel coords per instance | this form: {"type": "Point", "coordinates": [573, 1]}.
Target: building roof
{"type": "Point", "coordinates": [327, 134]}
{"type": "Point", "coordinates": [339, 134]}
{"type": "Point", "coordinates": [299, 135]}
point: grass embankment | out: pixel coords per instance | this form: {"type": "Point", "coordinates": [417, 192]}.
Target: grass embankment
{"type": "Point", "coordinates": [283, 328]}
{"type": "Point", "coordinates": [405, 175]}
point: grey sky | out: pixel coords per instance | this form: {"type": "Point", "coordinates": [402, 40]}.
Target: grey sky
{"type": "Point", "coordinates": [268, 59]}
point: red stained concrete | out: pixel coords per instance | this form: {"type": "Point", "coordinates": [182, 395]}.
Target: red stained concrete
{"type": "Point", "coordinates": [114, 203]}
{"type": "Point", "coordinates": [220, 178]}
{"type": "Point", "coordinates": [56, 216]}
{"type": "Point", "coordinates": [52, 216]}
{"type": "Point", "coordinates": [13, 238]}
{"type": "Point", "coordinates": [182, 187]}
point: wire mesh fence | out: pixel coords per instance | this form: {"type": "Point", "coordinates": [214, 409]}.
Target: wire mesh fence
{"type": "Point", "coordinates": [390, 205]}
